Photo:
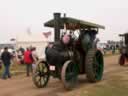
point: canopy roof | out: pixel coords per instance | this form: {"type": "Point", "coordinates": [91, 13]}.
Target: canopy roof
{"type": "Point", "coordinates": [123, 34]}
{"type": "Point", "coordinates": [73, 23]}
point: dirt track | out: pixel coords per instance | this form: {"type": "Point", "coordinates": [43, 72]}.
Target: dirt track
{"type": "Point", "coordinates": [23, 86]}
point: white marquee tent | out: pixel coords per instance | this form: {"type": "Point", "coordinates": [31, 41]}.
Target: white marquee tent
{"type": "Point", "coordinates": [38, 40]}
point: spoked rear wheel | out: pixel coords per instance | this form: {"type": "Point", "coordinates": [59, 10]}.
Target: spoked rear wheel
{"type": "Point", "coordinates": [94, 65]}
{"type": "Point", "coordinates": [41, 75]}
{"type": "Point", "coordinates": [69, 74]}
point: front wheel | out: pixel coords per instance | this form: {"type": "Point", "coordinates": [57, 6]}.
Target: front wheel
{"type": "Point", "coordinates": [41, 74]}
{"type": "Point", "coordinates": [69, 74]}
{"type": "Point", "coordinates": [94, 65]}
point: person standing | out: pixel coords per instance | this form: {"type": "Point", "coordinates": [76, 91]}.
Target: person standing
{"type": "Point", "coordinates": [35, 58]}
{"type": "Point", "coordinates": [6, 59]}
{"type": "Point", "coordinates": [34, 55]}
{"type": "Point", "coordinates": [28, 61]}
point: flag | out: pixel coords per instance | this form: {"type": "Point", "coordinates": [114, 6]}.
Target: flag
{"type": "Point", "coordinates": [47, 34]}
{"type": "Point", "coordinates": [29, 31]}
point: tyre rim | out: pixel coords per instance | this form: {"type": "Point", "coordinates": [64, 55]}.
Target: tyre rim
{"type": "Point", "coordinates": [98, 66]}
{"type": "Point", "coordinates": [71, 73]}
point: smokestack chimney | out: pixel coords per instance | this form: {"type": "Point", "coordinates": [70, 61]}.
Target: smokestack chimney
{"type": "Point", "coordinates": [57, 17]}
{"type": "Point", "coordinates": [64, 15]}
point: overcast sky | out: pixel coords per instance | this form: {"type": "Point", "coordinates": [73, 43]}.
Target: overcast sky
{"type": "Point", "coordinates": [17, 15]}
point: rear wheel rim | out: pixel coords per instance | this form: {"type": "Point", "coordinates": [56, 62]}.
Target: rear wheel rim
{"type": "Point", "coordinates": [98, 65]}
{"type": "Point", "coordinates": [69, 74]}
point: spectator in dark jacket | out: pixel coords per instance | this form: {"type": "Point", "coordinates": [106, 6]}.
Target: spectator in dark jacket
{"type": "Point", "coordinates": [6, 58]}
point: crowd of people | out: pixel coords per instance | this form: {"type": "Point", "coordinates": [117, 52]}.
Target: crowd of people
{"type": "Point", "coordinates": [28, 57]}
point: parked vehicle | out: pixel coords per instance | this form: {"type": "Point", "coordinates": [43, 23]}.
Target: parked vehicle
{"type": "Point", "coordinates": [124, 49]}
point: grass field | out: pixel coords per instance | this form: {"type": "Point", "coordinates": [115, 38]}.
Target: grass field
{"type": "Point", "coordinates": [117, 86]}
{"type": "Point", "coordinates": [114, 83]}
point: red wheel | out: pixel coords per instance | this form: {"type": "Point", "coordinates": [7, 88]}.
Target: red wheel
{"type": "Point", "coordinates": [122, 60]}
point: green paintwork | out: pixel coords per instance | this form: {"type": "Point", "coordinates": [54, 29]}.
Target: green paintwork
{"type": "Point", "coordinates": [71, 72]}
{"type": "Point", "coordinates": [100, 65]}
{"type": "Point", "coordinates": [86, 42]}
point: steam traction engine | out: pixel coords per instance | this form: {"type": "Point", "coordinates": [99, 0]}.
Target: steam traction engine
{"type": "Point", "coordinates": [81, 56]}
